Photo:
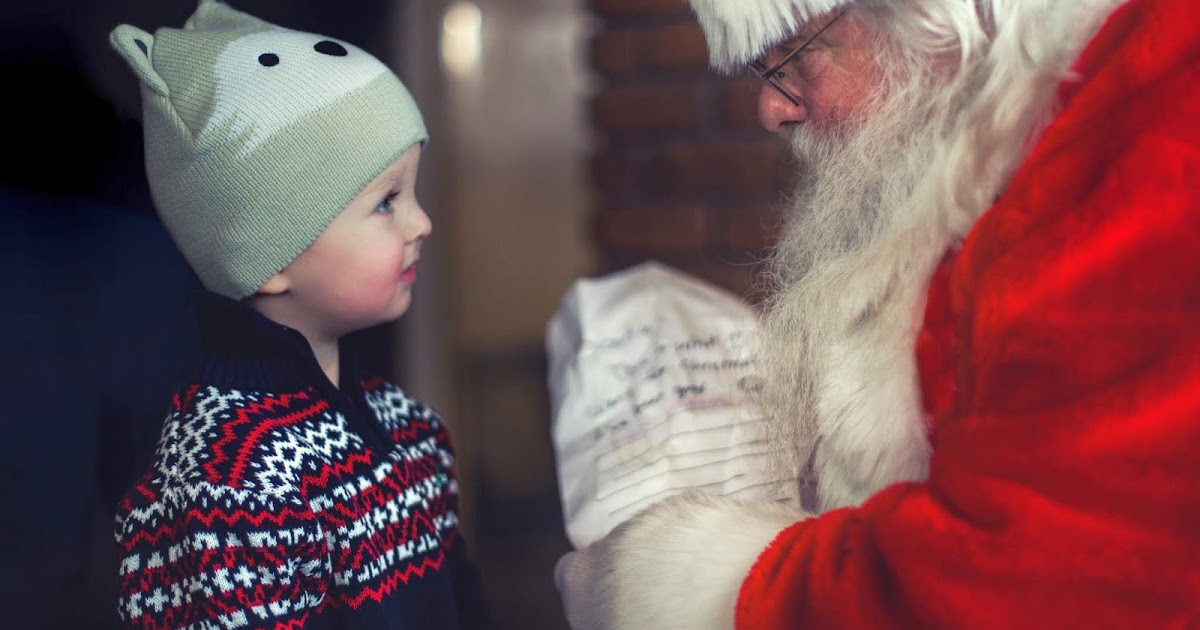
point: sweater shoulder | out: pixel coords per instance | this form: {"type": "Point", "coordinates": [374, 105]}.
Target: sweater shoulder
{"type": "Point", "coordinates": [255, 441]}
{"type": "Point", "coordinates": [407, 420]}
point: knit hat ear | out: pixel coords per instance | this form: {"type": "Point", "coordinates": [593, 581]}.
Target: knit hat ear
{"type": "Point", "coordinates": [216, 15]}
{"type": "Point", "coordinates": [135, 47]}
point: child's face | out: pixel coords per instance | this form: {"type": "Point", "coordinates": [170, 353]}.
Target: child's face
{"type": "Point", "coordinates": [360, 271]}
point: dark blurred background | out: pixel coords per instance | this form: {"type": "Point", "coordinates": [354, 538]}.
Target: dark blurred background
{"type": "Point", "coordinates": [569, 137]}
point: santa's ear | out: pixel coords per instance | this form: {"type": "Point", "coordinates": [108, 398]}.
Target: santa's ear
{"type": "Point", "coordinates": [136, 47]}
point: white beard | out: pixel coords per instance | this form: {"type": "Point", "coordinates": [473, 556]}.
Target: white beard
{"type": "Point", "coordinates": [880, 204]}
{"type": "Point", "coordinates": [850, 273]}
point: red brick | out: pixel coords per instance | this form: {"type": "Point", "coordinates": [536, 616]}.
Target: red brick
{"type": "Point", "coordinates": [685, 175]}
{"type": "Point", "coordinates": [616, 51]}
{"type": "Point", "coordinates": [676, 46]}
{"type": "Point", "coordinates": [654, 229]}
{"type": "Point", "coordinates": [754, 228]}
{"type": "Point", "coordinates": [750, 167]}
{"type": "Point", "coordinates": [624, 8]}
{"type": "Point", "coordinates": [741, 280]}
{"type": "Point", "coordinates": [738, 101]}
{"type": "Point", "coordinates": [789, 174]}
{"type": "Point", "coordinates": [647, 106]}
{"type": "Point", "coordinates": [615, 172]}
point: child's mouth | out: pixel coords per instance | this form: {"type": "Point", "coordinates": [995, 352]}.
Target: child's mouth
{"type": "Point", "coordinates": [409, 275]}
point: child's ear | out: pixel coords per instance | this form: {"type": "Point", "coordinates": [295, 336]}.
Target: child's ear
{"type": "Point", "coordinates": [135, 47]}
{"type": "Point", "coordinates": [277, 284]}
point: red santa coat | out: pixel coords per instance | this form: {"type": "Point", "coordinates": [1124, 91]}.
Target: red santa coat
{"type": "Point", "coordinates": [1060, 362]}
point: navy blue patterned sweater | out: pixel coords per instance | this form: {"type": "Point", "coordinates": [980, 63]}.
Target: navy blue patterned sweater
{"type": "Point", "coordinates": [277, 500]}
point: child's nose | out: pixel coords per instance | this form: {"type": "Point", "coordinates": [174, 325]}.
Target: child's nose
{"type": "Point", "coordinates": [419, 226]}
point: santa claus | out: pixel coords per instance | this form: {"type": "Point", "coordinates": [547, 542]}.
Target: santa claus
{"type": "Point", "coordinates": [984, 340]}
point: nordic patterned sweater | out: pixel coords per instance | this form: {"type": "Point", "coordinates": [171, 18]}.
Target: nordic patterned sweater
{"type": "Point", "coordinates": [277, 500]}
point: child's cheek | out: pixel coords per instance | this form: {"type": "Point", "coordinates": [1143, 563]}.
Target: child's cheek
{"type": "Point", "coordinates": [385, 272]}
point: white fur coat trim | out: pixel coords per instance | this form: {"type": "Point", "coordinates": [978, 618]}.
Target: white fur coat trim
{"type": "Point", "coordinates": [739, 31]}
{"type": "Point", "coordinates": [680, 565]}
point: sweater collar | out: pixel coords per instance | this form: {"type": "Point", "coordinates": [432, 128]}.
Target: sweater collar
{"type": "Point", "coordinates": [243, 349]}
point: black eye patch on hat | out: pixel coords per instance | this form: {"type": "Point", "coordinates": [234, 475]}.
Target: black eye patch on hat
{"type": "Point", "coordinates": [325, 47]}
{"type": "Point", "coordinates": [331, 48]}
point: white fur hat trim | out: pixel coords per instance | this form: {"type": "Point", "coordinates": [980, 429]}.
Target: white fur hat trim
{"type": "Point", "coordinates": [739, 31]}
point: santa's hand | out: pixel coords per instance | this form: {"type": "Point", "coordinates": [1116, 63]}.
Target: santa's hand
{"type": "Point", "coordinates": [676, 565]}
{"type": "Point", "coordinates": [577, 578]}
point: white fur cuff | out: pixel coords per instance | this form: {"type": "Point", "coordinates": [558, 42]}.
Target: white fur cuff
{"type": "Point", "coordinates": [680, 564]}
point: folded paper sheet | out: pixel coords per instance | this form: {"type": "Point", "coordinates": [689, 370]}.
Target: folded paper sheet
{"type": "Point", "coordinates": [652, 377]}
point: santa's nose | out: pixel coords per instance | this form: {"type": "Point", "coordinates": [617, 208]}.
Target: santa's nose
{"type": "Point", "coordinates": [776, 112]}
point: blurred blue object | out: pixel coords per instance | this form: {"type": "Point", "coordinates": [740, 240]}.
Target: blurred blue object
{"type": "Point", "coordinates": [95, 329]}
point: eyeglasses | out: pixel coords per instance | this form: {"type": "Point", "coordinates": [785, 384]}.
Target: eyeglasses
{"type": "Point", "coordinates": [775, 76]}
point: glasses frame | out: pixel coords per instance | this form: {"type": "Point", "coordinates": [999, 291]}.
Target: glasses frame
{"type": "Point", "coordinates": [774, 74]}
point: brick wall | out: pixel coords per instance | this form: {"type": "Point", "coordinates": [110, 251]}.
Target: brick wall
{"type": "Point", "coordinates": [682, 170]}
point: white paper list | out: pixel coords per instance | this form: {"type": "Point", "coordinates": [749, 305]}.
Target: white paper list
{"type": "Point", "coordinates": [652, 374]}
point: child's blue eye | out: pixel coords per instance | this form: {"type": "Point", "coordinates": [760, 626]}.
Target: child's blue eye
{"type": "Point", "coordinates": [385, 206]}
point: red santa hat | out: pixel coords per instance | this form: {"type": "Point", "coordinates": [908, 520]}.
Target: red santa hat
{"type": "Point", "coordinates": [739, 31]}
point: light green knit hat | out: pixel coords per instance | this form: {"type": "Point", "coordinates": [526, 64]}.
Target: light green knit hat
{"type": "Point", "coordinates": [257, 136]}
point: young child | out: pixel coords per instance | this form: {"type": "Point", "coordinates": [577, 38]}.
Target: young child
{"type": "Point", "coordinates": [287, 490]}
